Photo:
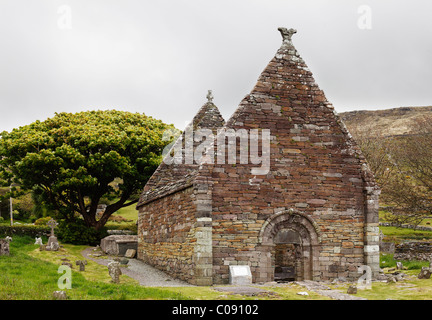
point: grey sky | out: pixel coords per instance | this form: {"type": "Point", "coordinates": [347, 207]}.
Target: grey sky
{"type": "Point", "coordinates": [161, 57]}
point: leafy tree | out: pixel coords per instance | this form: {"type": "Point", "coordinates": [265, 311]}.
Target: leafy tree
{"type": "Point", "coordinates": [73, 159]}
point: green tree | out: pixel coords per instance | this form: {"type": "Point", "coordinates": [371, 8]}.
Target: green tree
{"type": "Point", "coordinates": [73, 159]}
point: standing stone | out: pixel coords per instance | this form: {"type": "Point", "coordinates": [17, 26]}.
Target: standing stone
{"type": "Point", "coordinates": [425, 273]}
{"type": "Point", "coordinates": [352, 290]}
{"type": "Point", "coordinates": [114, 271]}
{"type": "Point", "coordinates": [399, 266]}
{"type": "Point", "coordinates": [4, 247]}
{"type": "Point", "coordinates": [81, 264]}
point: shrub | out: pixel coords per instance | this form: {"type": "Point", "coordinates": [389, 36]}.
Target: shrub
{"type": "Point", "coordinates": [78, 233]}
{"type": "Point", "coordinates": [24, 230]}
{"type": "Point", "coordinates": [42, 221]}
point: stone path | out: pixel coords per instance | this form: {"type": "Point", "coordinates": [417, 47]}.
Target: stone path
{"type": "Point", "coordinates": [244, 290]}
{"type": "Point", "coordinates": [138, 270]}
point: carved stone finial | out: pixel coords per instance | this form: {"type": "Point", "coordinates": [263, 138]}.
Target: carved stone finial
{"type": "Point", "coordinates": [287, 34]}
{"type": "Point", "coordinates": [209, 96]}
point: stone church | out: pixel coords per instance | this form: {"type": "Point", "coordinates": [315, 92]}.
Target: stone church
{"type": "Point", "coordinates": [313, 214]}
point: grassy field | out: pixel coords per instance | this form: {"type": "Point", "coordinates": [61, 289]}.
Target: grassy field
{"type": "Point", "coordinates": [28, 274]}
{"type": "Point", "coordinates": [398, 235]}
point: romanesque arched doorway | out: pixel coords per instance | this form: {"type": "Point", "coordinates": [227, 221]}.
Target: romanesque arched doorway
{"type": "Point", "coordinates": [289, 242]}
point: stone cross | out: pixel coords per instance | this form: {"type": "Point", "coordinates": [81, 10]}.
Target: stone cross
{"type": "Point", "coordinates": [114, 271]}
{"type": "Point", "coordinates": [287, 34]}
{"type": "Point", "coordinates": [209, 96]}
{"type": "Point", "coordinates": [81, 264]}
{"type": "Point", "coordinates": [52, 223]}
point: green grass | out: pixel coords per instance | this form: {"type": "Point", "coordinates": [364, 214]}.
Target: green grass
{"type": "Point", "coordinates": [414, 289]}
{"type": "Point", "coordinates": [130, 213]}
{"type": "Point", "coordinates": [25, 276]}
{"type": "Point", "coordinates": [402, 234]}
{"type": "Point", "coordinates": [388, 261]}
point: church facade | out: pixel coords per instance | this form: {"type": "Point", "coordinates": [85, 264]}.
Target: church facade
{"type": "Point", "coordinates": [295, 200]}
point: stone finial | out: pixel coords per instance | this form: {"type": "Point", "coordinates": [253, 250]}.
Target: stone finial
{"type": "Point", "coordinates": [209, 96]}
{"type": "Point", "coordinates": [287, 34]}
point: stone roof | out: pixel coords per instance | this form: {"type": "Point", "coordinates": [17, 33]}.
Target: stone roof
{"type": "Point", "coordinates": [287, 86]}
{"type": "Point", "coordinates": [170, 178]}
{"type": "Point", "coordinates": [286, 83]}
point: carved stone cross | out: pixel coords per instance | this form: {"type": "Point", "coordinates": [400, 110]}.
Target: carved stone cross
{"type": "Point", "coordinates": [81, 264]}
{"type": "Point", "coordinates": [52, 223]}
{"type": "Point", "coordinates": [287, 34]}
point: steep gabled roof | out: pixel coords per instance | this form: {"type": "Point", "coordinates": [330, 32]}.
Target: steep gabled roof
{"type": "Point", "coordinates": [287, 87]}
{"type": "Point", "coordinates": [169, 178]}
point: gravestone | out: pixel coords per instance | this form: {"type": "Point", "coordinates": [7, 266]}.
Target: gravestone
{"type": "Point", "coordinates": [114, 271]}
{"type": "Point", "coordinates": [240, 275]}
{"type": "Point", "coordinates": [38, 241]}
{"type": "Point", "coordinates": [52, 244]}
{"type": "Point", "coordinates": [81, 264]}
{"type": "Point", "coordinates": [59, 295]}
{"type": "Point", "coordinates": [4, 246]}
{"type": "Point", "coordinates": [425, 273]}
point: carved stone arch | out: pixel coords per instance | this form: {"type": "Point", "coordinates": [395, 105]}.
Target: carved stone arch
{"type": "Point", "coordinates": [309, 243]}
{"type": "Point", "coordinates": [289, 217]}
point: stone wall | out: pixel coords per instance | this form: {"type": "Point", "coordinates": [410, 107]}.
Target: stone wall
{"type": "Point", "coordinates": [421, 251]}
{"type": "Point", "coordinates": [167, 234]}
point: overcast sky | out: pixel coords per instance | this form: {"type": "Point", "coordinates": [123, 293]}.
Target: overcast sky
{"type": "Point", "coordinates": [160, 57]}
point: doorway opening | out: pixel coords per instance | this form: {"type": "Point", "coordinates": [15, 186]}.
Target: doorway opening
{"type": "Point", "coordinates": [288, 256]}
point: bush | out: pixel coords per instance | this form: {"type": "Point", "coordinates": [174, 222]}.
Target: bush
{"type": "Point", "coordinates": [42, 221]}
{"type": "Point", "coordinates": [24, 230]}
{"type": "Point", "coordinates": [78, 233]}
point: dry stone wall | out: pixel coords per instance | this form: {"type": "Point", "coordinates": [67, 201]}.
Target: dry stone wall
{"type": "Point", "coordinates": [167, 235]}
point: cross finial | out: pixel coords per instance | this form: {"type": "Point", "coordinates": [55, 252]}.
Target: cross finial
{"type": "Point", "coordinates": [209, 96]}
{"type": "Point", "coordinates": [287, 34]}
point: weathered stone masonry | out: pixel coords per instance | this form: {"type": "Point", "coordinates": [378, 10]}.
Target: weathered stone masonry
{"type": "Point", "coordinates": [314, 214]}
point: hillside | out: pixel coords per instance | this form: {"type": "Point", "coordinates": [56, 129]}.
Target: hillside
{"type": "Point", "coordinates": [388, 122]}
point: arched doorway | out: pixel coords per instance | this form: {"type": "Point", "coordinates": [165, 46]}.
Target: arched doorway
{"type": "Point", "coordinates": [289, 241]}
